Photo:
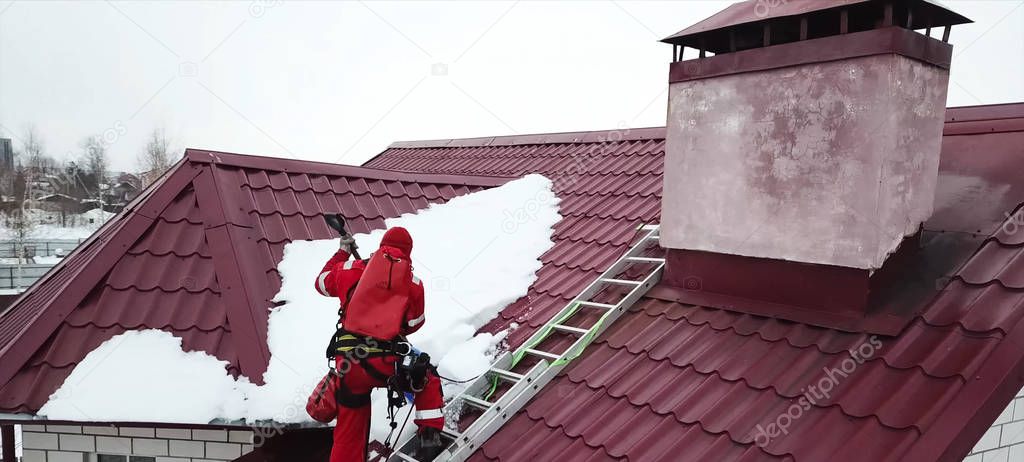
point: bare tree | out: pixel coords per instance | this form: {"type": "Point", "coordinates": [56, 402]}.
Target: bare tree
{"type": "Point", "coordinates": [33, 154]}
{"type": "Point", "coordinates": [156, 159]}
{"type": "Point", "coordinates": [21, 221]}
{"type": "Point", "coordinates": [95, 159]}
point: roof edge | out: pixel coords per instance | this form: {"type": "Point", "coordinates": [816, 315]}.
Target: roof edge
{"type": "Point", "coordinates": [216, 424]}
{"type": "Point", "coordinates": [954, 114]}
{"type": "Point", "coordinates": [985, 112]}
{"type": "Point", "coordinates": [593, 136]}
{"type": "Point", "coordinates": [204, 156]}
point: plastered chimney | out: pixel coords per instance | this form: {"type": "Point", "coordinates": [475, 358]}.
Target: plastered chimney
{"type": "Point", "coordinates": [813, 133]}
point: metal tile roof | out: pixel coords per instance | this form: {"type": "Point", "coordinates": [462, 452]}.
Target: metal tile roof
{"type": "Point", "coordinates": [608, 184]}
{"type": "Point", "coordinates": [196, 255]}
{"type": "Point", "coordinates": [679, 382]}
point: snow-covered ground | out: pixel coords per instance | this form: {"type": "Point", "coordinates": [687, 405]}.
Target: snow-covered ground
{"type": "Point", "coordinates": [476, 254]}
{"type": "Point", "coordinates": [48, 260]}
{"type": "Point", "coordinates": [45, 225]}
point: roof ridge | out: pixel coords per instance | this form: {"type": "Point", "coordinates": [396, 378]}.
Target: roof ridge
{"type": "Point", "coordinates": [222, 224]}
{"type": "Point", "coordinates": [589, 136]}
{"type": "Point", "coordinates": [280, 164]}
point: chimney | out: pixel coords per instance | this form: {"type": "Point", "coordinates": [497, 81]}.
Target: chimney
{"type": "Point", "coordinates": [802, 149]}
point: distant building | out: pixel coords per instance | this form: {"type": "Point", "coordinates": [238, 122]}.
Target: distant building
{"type": "Point", "coordinates": [6, 155]}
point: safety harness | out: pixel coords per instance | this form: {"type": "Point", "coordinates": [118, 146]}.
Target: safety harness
{"type": "Point", "coordinates": [411, 366]}
{"type": "Point", "coordinates": [409, 375]}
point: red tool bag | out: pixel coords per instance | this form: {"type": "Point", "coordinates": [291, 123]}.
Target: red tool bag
{"type": "Point", "coordinates": [322, 405]}
{"type": "Point", "coordinates": [377, 305]}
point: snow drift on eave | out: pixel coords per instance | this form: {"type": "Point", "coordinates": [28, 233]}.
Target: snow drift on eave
{"type": "Point", "coordinates": [476, 254]}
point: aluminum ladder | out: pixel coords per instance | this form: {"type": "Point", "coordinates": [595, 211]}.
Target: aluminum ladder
{"type": "Point", "coordinates": [524, 386]}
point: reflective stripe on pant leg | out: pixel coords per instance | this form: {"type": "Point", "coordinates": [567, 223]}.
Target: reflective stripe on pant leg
{"type": "Point", "coordinates": [429, 414]}
{"type": "Point", "coordinates": [429, 402]}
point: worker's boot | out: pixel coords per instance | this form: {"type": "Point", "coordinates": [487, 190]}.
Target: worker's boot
{"type": "Point", "coordinates": [430, 445]}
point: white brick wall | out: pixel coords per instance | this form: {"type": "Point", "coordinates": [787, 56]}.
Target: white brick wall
{"type": "Point", "coordinates": [68, 443]}
{"type": "Point", "coordinates": [1004, 441]}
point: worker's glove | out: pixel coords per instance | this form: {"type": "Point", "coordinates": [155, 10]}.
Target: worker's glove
{"type": "Point", "coordinates": [347, 243]}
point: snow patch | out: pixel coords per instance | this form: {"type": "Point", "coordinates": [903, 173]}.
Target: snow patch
{"type": "Point", "coordinates": [475, 254]}
{"type": "Point", "coordinates": [145, 376]}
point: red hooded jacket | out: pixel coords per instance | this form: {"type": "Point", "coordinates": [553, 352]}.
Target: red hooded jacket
{"type": "Point", "coordinates": [340, 275]}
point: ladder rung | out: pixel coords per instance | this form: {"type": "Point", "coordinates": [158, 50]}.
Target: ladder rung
{"type": "Point", "coordinates": [454, 435]}
{"type": "Point", "coordinates": [477, 403]}
{"type": "Point", "coordinates": [543, 354]}
{"type": "Point", "coordinates": [598, 305]}
{"type": "Point", "coordinates": [569, 329]}
{"type": "Point", "coordinates": [404, 456]}
{"type": "Point", "coordinates": [646, 259]}
{"type": "Point", "coordinates": [507, 375]}
{"type": "Point", "coordinates": [624, 282]}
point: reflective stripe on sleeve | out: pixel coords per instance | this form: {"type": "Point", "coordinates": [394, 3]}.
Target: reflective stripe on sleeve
{"type": "Point", "coordinates": [321, 283]}
{"type": "Point", "coordinates": [414, 322]}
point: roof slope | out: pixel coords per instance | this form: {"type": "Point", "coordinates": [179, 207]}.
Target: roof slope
{"type": "Point", "coordinates": [681, 382]}
{"type": "Point", "coordinates": [609, 182]}
{"type": "Point", "coordinates": [196, 255]}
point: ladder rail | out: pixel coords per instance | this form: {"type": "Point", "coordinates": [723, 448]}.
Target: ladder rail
{"type": "Point", "coordinates": [527, 385]}
{"type": "Point", "coordinates": [489, 428]}
{"type": "Point", "coordinates": [594, 287]}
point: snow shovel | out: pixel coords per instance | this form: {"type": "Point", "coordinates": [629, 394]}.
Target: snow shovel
{"type": "Point", "coordinates": [337, 222]}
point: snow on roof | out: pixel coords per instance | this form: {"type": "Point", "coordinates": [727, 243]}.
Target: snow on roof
{"type": "Point", "coordinates": [467, 281]}
{"type": "Point", "coordinates": [196, 255]}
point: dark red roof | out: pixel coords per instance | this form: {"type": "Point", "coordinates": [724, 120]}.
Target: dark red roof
{"type": "Point", "coordinates": [196, 255]}
{"type": "Point", "coordinates": [608, 182]}
{"type": "Point", "coordinates": [673, 382]}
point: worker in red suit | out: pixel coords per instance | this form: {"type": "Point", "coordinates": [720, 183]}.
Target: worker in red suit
{"type": "Point", "coordinates": [362, 364]}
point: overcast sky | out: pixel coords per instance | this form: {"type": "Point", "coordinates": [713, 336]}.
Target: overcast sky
{"type": "Point", "coordinates": [339, 81]}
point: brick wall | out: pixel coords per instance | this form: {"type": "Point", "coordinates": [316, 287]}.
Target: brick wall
{"type": "Point", "coordinates": [74, 443]}
{"type": "Point", "coordinates": [1004, 442]}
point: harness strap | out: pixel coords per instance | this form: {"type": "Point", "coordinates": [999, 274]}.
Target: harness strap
{"type": "Point", "coordinates": [373, 371]}
{"type": "Point", "coordinates": [345, 342]}
{"type": "Point", "coordinates": [347, 398]}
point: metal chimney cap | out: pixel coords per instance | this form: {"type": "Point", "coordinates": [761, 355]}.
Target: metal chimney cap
{"type": "Point", "coordinates": [931, 14]}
